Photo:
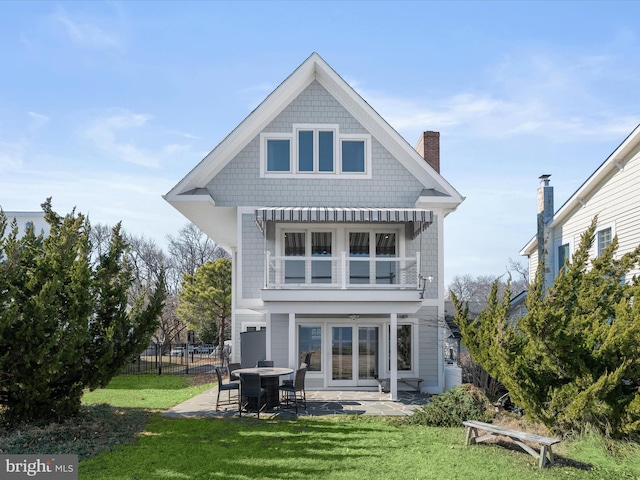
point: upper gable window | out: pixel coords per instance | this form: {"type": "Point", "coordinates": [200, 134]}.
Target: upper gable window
{"type": "Point", "coordinates": [278, 155]}
{"type": "Point", "coordinates": [353, 156]}
{"type": "Point", "coordinates": [315, 150]}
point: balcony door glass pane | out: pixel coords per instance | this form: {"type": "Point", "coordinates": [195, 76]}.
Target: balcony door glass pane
{"type": "Point", "coordinates": [294, 246]}
{"type": "Point", "coordinates": [386, 271]}
{"type": "Point", "coordinates": [321, 249]}
{"type": "Point", "coordinates": [341, 353]}
{"type": "Point", "coordinates": [310, 341]}
{"type": "Point", "coordinates": [359, 253]}
{"type": "Point", "coordinates": [367, 353]}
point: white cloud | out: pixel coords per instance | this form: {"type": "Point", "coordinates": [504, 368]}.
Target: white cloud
{"type": "Point", "coordinates": [87, 35]}
{"type": "Point", "coordinates": [107, 134]}
{"type": "Point", "coordinates": [104, 133]}
{"type": "Point", "coordinates": [38, 120]}
{"type": "Point", "coordinates": [545, 95]}
{"type": "Point", "coordinates": [11, 157]}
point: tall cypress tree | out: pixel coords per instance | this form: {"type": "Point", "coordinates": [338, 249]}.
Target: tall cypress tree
{"type": "Point", "coordinates": [573, 360]}
{"type": "Point", "coordinates": [64, 324]}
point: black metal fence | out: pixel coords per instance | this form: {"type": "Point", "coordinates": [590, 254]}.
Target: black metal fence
{"type": "Point", "coordinates": [178, 359]}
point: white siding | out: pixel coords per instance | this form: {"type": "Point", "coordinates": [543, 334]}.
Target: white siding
{"type": "Point", "coordinates": [617, 204]}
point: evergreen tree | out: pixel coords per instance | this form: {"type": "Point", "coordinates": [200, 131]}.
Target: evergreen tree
{"type": "Point", "coordinates": [64, 324]}
{"type": "Point", "coordinates": [204, 302]}
{"type": "Point", "coordinates": [573, 360]}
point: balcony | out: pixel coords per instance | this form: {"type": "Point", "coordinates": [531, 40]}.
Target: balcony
{"type": "Point", "coordinates": [327, 279]}
{"type": "Point", "coordinates": [324, 272]}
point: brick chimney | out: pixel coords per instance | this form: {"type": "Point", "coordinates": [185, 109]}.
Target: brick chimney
{"type": "Point", "coordinates": [429, 147]}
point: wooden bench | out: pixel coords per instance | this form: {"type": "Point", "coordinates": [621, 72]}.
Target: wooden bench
{"type": "Point", "coordinates": [383, 383]}
{"type": "Point", "coordinates": [544, 456]}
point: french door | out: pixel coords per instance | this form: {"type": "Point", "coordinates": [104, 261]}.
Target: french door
{"type": "Point", "coordinates": [354, 359]}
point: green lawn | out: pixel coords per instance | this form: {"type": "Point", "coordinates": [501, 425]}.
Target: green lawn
{"type": "Point", "coordinates": [341, 447]}
{"type": "Point", "coordinates": [146, 391]}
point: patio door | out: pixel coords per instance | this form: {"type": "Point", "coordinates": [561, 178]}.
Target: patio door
{"type": "Point", "coordinates": [354, 357]}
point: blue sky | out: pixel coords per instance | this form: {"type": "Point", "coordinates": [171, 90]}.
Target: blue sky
{"type": "Point", "coordinates": [105, 106]}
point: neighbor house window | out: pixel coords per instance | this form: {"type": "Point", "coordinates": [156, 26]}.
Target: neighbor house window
{"type": "Point", "coordinates": [604, 239]}
{"type": "Point", "coordinates": [563, 255]}
{"type": "Point", "coordinates": [310, 341]}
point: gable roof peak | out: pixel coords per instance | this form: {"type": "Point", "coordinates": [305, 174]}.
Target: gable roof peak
{"type": "Point", "coordinates": [313, 68]}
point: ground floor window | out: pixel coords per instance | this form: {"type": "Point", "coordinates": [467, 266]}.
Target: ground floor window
{"type": "Point", "coordinates": [310, 341]}
{"type": "Point", "coordinates": [404, 348]}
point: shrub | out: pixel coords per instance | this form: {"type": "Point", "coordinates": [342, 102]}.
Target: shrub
{"type": "Point", "coordinates": [450, 409]}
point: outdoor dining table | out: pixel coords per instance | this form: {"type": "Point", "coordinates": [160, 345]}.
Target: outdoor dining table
{"type": "Point", "coordinates": [270, 381]}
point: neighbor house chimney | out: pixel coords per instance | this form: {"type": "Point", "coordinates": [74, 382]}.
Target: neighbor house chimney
{"type": "Point", "coordinates": [429, 147]}
{"type": "Point", "coordinates": [544, 217]}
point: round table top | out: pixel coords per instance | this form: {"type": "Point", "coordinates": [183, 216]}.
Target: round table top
{"type": "Point", "coordinates": [264, 371]}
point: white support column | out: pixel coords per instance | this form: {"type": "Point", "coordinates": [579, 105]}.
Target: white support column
{"type": "Point", "coordinates": [393, 374]}
{"type": "Point", "coordinates": [268, 334]}
{"type": "Point", "coordinates": [293, 357]}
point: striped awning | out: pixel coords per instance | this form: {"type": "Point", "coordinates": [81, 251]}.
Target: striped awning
{"type": "Point", "coordinates": [419, 218]}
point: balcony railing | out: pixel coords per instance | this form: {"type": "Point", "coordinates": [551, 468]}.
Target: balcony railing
{"type": "Point", "coordinates": [344, 272]}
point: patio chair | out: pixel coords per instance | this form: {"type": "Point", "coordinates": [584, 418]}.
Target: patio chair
{"type": "Point", "coordinates": [252, 395]}
{"type": "Point", "coordinates": [231, 367]}
{"type": "Point", "coordinates": [264, 363]}
{"type": "Point", "coordinates": [295, 393]}
{"type": "Point", "coordinates": [228, 387]}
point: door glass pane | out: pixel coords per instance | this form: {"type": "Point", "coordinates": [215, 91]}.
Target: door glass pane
{"type": "Point", "coordinates": [359, 254]}
{"type": "Point", "coordinates": [310, 341]}
{"type": "Point", "coordinates": [367, 353]}
{"type": "Point", "coordinates": [305, 151]}
{"type": "Point", "coordinates": [325, 146]}
{"type": "Point", "coordinates": [341, 353]}
{"type": "Point", "coordinates": [321, 248]}
{"type": "Point", "coordinates": [404, 347]}
{"type": "Point", "coordinates": [294, 246]}
{"type": "Point", "coordinates": [386, 247]}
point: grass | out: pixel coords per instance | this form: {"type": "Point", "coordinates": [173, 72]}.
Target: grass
{"type": "Point", "coordinates": [149, 391]}
{"type": "Point", "coordinates": [129, 442]}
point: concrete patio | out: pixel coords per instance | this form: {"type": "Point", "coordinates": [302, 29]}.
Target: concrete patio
{"type": "Point", "coordinates": [319, 403]}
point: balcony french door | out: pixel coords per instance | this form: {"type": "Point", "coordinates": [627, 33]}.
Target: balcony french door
{"type": "Point", "coordinates": [354, 355]}
{"type": "Point", "coordinates": [310, 260]}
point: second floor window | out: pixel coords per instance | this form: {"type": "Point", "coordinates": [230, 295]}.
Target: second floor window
{"type": "Point", "coordinates": [604, 239]}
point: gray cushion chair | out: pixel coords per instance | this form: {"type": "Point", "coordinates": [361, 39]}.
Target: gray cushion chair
{"type": "Point", "coordinates": [252, 395]}
{"type": "Point", "coordinates": [264, 363]}
{"type": "Point", "coordinates": [294, 393]}
{"type": "Point", "coordinates": [231, 367]}
{"type": "Point", "coordinates": [228, 387]}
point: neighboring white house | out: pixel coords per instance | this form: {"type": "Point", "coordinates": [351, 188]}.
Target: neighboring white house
{"type": "Point", "coordinates": [335, 225]}
{"type": "Point", "coordinates": [25, 220]}
{"type": "Point", "coordinates": [612, 193]}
